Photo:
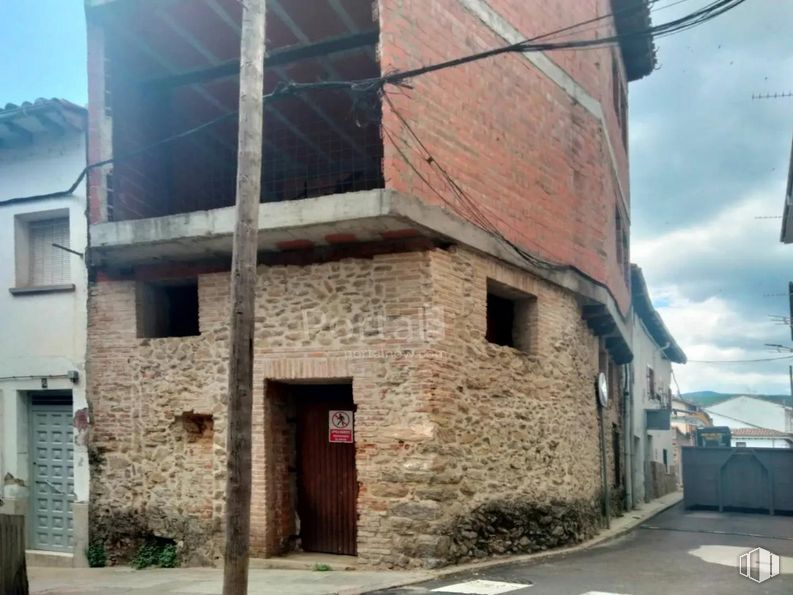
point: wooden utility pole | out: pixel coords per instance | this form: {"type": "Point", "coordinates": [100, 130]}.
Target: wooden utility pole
{"type": "Point", "coordinates": [243, 286]}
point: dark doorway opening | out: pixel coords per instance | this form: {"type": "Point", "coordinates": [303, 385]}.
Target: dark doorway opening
{"type": "Point", "coordinates": [324, 486]}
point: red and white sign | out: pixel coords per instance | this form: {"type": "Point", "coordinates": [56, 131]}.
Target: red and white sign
{"type": "Point", "coordinates": [340, 426]}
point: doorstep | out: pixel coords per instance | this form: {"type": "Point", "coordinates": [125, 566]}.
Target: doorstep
{"type": "Point", "coordinates": [49, 559]}
{"type": "Point", "coordinates": [307, 561]}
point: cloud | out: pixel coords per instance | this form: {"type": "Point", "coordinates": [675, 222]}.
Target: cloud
{"type": "Point", "coordinates": [706, 162]}
{"type": "Point", "coordinates": [717, 283]}
{"type": "Point", "coordinates": [697, 139]}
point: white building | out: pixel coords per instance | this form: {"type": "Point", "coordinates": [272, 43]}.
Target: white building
{"type": "Point", "coordinates": [43, 411]}
{"type": "Point", "coordinates": [650, 441]}
{"type": "Point", "coordinates": [760, 438]}
{"type": "Point", "coordinates": [751, 412]}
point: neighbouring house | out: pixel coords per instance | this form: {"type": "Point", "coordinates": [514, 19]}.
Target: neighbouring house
{"type": "Point", "coordinates": [650, 444]}
{"type": "Point", "coordinates": [43, 416]}
{"type": "Point", "coordinates": [686, 418]}
{"type": "Point", "coordinates": [443, 273]}
{"type": "Point", "coordinates": [745, 411]}
{"type": "Point", "coordinates": [761, 438]}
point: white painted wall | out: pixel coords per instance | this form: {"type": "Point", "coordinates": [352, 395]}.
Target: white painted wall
{"type": "Point", "coordinates": [751, 412]}
{"type": "Point", "coordinates": [732, 423]}
{"type": "Point", "coordinates": [649, 445]}
{"type": "Point", "coordinates": [43, 334]}
{"type": "Point", "coordinates": [752, 442]}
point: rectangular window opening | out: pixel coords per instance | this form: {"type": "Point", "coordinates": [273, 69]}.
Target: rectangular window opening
{"type": "Point", "coordinates": [616, 442]}
{"type": "Point", "coordinates": [622, 244]}
{"type": "Point", "coordinates": [620, 99]}
{"type": "Point", "coordinates": [511, 317]}
{"type": "Point", "coordinates": [650, 383]}
{"type": "Point", "coordinates": [40, 239]}
{"type": "Point", "coordinates": [168, 309]}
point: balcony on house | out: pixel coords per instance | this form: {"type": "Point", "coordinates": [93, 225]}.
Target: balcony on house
{"type": "Point", "coordinates": [173, 66]}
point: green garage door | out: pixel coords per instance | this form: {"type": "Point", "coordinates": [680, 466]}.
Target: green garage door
{"type": "Point", "coordinates": [51, 523]}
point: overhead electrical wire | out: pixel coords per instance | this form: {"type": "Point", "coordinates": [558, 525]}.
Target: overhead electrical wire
{"type": "Point", "coordinates": [376, 84]}
{"type": "Point", "coordinates": [468, 204]}
{"type": "Point", "coordinates": [739, 361]}
{"type": "Point", "coordinates": [574, 29]}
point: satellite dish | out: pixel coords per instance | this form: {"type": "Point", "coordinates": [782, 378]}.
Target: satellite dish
{"type": "Point", "coordinates": [603, 390]}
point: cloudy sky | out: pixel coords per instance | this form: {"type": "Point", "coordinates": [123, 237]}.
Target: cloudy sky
{"type": "Point", "coordinates": [707, 161]}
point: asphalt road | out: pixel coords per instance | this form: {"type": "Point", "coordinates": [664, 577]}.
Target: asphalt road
{"type": "Point", "coordinates": [677, 552]}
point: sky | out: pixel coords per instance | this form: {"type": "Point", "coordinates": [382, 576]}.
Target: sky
{"type": "Point", "coordinates": [708, 167]}
{"type": "Point", "coordinates": [707, 162]}
{"type": "Point", "coordinates": [43, 52]}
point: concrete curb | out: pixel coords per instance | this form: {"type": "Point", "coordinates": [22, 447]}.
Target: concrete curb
{"type": "Point", "coordinates": [620, 527]}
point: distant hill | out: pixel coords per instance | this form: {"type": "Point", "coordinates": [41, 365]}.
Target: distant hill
{"type": "Point", "coordinates": [706, 398]}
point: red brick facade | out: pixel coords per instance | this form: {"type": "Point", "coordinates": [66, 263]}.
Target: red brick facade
{"type": "Point", "coordinates": [533, 159]}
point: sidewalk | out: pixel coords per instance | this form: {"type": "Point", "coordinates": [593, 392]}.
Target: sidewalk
{"type": "Point", "coordinates": [285, 581]}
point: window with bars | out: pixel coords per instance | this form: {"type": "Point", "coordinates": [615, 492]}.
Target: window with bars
{"type": "Point", "coordinates": [40, 262]}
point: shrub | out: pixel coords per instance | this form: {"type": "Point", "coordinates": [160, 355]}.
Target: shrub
{"type": "Point", "coordinates": [156, 551]}
{"type": "Point", "coordinates": [97, 557]}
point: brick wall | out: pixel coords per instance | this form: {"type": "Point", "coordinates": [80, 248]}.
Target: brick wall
{"type": "Point", "coordinates": [447, 424]}
{"type": "Point", "coordinates": [532, 157]}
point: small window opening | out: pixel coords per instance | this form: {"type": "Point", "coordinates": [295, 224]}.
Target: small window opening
{"type": "Point", "coordinates": [500, 320]}
{"type": "Point", "coordinates": [620, 99]}
{"type": "Point", "coordinates": [616, 441]}
{"type": "Point", "coordinates": [650, 383]}
{"type": "Point", "coordinates": [511, 317]}
{"type": "Point", "coordinates": [168, 309]}
{"type": "Point", "coordinates": [622, 243]}
{"type": "Point", "coordinates": [740, 444]}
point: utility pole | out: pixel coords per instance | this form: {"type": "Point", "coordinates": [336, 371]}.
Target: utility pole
{"type": "Point", "coordinates": [243, 285]}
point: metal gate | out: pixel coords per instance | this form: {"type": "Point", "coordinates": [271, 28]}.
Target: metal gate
{"type": "Point", "coordinates": [51, 440]}
{"type": "Point", "coordinates": [751, 479]}
{"type": "Point", "coordinates": [327, 484]}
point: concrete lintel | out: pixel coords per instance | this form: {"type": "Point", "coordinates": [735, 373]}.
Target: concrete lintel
{"type": "Point", "coordinates": [440, 221]}
{"type": "Point", "coordinates": [366, 215]}
{"type": "Point", "coordinates": [216, 223]}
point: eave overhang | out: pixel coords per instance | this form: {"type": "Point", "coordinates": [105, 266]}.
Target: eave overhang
{"type": "Point", "coordinates": [643, 306]}
{"type": "Point", "coordinates": [632, 20]}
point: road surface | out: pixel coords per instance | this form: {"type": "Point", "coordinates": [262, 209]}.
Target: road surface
{"type": "Point", "coordinates": [677, 552]}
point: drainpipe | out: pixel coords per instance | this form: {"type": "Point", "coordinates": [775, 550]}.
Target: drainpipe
{"type": "Point", "coordinates": [627, 396]}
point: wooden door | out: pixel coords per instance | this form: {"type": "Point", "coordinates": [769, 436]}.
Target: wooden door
{"type": "Point", "coordinates": [327, 489]}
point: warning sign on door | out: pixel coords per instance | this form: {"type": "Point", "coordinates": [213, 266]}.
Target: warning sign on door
{"type": "Point", "coordinates": [340, 426]}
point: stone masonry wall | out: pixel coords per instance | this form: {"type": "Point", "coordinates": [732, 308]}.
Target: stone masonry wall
{"type": "Point", "coordinates": [463, 448]}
